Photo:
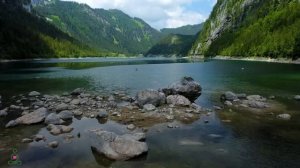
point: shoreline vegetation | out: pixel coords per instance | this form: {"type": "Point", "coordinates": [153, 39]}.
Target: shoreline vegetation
{"type": "Point", "coordinates": [257, 59]}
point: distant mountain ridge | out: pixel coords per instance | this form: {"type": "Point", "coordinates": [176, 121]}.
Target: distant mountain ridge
{"type": "Point", "coordinates": [106, 30]}
{"type": "Point", "coordinates": [183, 30]}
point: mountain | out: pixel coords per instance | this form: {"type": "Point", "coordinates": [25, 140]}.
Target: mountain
{"type": "Point", "coordinates": [24, 35]}
{"type": "Point", "coordinates": [107, 30]}
{"type": "Point", "coordinates": [184, 30]}
{"type": "Point", "coordinates": [268, 28]}
{"type": "Point", "coordinates": [173, 45]}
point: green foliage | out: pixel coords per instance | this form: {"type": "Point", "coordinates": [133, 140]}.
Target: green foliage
{"type": "Point", "coordinates": [105, 30]}
{"type": "Point", "coordinates": [184, 30]}
{"type": "Point", "coordinates": [266, 28]}
{"type": "Point", "coordinates": [172, 44]}
{"type": "Point", "coordinates": [22, 35]}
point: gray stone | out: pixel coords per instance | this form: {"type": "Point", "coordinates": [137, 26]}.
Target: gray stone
{"type": "Point", "coordinates": [149, 107]}
{"type": "Point", "coordinates": [11, 123]}
{"type": "Point", "coordinates": [230, 96]}
{"type": "Point", "coordinates": [14, 107]}
{"type": "Point", "coordinates": [75, 101]}
{"type": "Point", "coordinates": [3, 112]}
{"type": "Point", "coordinates": [284, 116]}
{"type": "Point", "coordinates": [77, 112]}
{"type": "Point", "coordinates": [116, 147]}
{"type": "Point", "coordinates": [241, 96]}
{"type": "Point", "coordinates": [131, 127]}
{"type": "Point", "coordinates": [59, 129]}
{"type": "Point", "coordinates": [150, 97]}
{"type": "Point", "coordinates": [102, 114]}
{"type": "Point", "coordinates": [170, 117]}
{"type": "Point", "coordinates": [66, 115]}
{"type": "Point", "coordinates": [53, 119]}
{"type": "Point", "coordinates": [35, 117]}
{"type": "Point", "coordinates": [62, 107]}
{"type": "Point", "coordinates": [170, 126]}
{"type": "Point", "coordinates": [256, 98]}
{"type": "Point", "coordinates": [228, 103]}
{"type": "Point", "coordinates": [255, 104]}
{"type": "Point", "coordinates": [187, 87]}
{"type": "Point", "coordinates": [39, 137]}
{"type": "Point", "coordinates": [178, 100]}
{"type": "Point", "coordinates": [111, 98]}
{"type": "Point", "coordinates": [34, 93]}
{"type": "Point", "coordinates": [53, 144]}
{"type": "Point", "coordinates": [27, 140]}
{"type": "Point", "coordinates": [297, 97]}
{"type": "Point", "coordinates": [77, 91]}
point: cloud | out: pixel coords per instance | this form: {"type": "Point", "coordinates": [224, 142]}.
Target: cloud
{"type": "Point", "coordinates": [158, 13]}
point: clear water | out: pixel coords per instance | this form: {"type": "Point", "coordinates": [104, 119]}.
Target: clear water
{"type": "Point", "coordinates": [248, 141]}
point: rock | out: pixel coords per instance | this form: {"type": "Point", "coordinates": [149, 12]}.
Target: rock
{"type": "Point", "coordinates": [150, 97]}
{"type": "Point", "coordinates": [3, 112]}
{"type": "Point", "coordinates": [187, 87]}
{"type": "Point", "coordinates": [217, 108]}
{"type": "Point", "coordinates": [170, 126]}
{"type": "Point", "coordinates": [66, 115]}
{"type": "Point", "coordinates": [92, 116]}
{"type": "Point", "coordinates": [102, 114]}
{"type": "Point", "coordinates": [256, 98]}
{"type": "Point", "coordinates": [35, 117]}
{"type": "Point", "coordinates": [75, 102]}
{"type": "Point", "coordinates": [131, 127]}
{"type": "Point", "coordinates": [34, 93]}
{"type": "Point", "coordinates": [140, 136]}
{"type": "Point", "coordinates": [116, 147]}
{"type": "Point", "coordinates": [11, 123]}
{"type": "Point", "coordinates": [14, 107]}
{"type": "Point", "coordinates": [272, 97]}
{"type": "Point", "coordinates": [241, 96]}
{"type": "Point", "coordinates": [59, 129]}
{"type": "Point", "coordinates": [149, 107]}
{"type": "Point", "coordinates": [215, 136]}
{"type": "Point", "coordinates": [297, 97]}
{"type": "Point", "coordinates": [27, 140]}
{"type": "Point", "coordinates": [39, 137]}
{"type": "Point", "coordinates": [255, 104]}
{"type": "Point", "coordinates": [170, 117]}
{"type": "Point", "coordinates": [228, 103]}
{"type": "Point", "coordinates": [115, 114]}
{"type": "Point", "coordinates": [230, 96]}
{"type": "Point", "coordinates": [178, 100]}
{"type": "Point", "coordinates": [196, 106]}
{"type": "Point", "coordinates": [53, 144]}
{"type": "Point", "coordinates": [284, 116]}
{"type": "Point", "coordinates": [111, 98]}
{"type": "Point", "coordinates": [62, 107]}
{"type": "Point", "coordinates": [77, 91]}
{"type": "Point", "coordinates": [53, 119]}
{"type": "Point", "coordinates": [77, 112]}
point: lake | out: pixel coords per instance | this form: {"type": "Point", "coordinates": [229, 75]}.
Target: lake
{"type": "Point", "coordinates": [249, 141]}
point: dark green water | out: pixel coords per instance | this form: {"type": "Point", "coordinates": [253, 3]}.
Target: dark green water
{"type": "Point", "coordinates": [248, 141]}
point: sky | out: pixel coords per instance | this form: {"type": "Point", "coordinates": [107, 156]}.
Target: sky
{"type": "Point", "coordinates": [159, 13]}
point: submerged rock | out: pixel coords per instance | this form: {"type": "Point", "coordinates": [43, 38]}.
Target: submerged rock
{"type": "Point", "coordinates": [53, 144]}
{"type": "Point", "coordinates": [178, 100]}
{"type": "Point", "coordinates": [59, 129]}
{"type": "Point", "coordinates": [116, 147]}
{"type": "Point", "coordinates": [150, 97]}
{"type": "Point", "coordinates": [284, 116]}
{"type": "Point", "coordinates": [34, 93]}
{"type": "Point", "coordinates": [187, 87]}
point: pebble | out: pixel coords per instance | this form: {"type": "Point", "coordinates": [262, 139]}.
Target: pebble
{"type": "Point", "coordinates": [53, 144]}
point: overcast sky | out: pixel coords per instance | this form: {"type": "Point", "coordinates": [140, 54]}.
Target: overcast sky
{"type": "Point", "coordinates": [160, 13]}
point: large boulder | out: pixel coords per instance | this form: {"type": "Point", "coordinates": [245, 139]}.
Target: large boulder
{"type": "Point", "coordinates": [150, 96]}
{"type": "Point", "coordinates": [187, 87]}
{"type": "Point", "coordinates": [117, 147]}
{"type": "Point", "coordinates": [35, 117]}
{"type": "Point", "coordinates": [178, 100]}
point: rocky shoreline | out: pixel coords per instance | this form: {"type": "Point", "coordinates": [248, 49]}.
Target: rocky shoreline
{"type": "Point", "coordinates": [146, 109]}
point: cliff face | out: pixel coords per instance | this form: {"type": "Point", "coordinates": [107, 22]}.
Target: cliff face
{"type": "Point", "coordinates": [233, 24]}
